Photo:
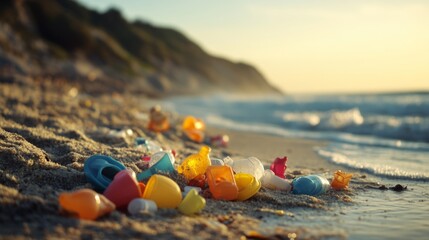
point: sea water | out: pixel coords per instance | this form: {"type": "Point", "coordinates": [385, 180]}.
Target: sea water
{"type": "Point", "coordinates": [383, 135]}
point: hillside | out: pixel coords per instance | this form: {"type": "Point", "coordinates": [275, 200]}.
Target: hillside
{"type": "Point", "coordinates": [62, 39]}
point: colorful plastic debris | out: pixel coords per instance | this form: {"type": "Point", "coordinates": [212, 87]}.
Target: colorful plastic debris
{"type": "Point", "coordinates": [86, 204]}
{"type": "Point", "coordinates": [163, 191]}
{"type": "Point", "coordinates": [140, 205]}
{"type": "Point", "coordinates": [271, 181]}
{"type": "Point", "coordinates": [194, 128]}
{"type": "Point", "coordinates": [158, 121]}
{"type": "Point", "coordinates": [198, 181]}
{"type": "Point", "coordinates": [216, 162]}
{"type": "Point", "coordinates": [279, 166]}
{"type": "Point", "coordinates": [100, 170]}
{"type": "Point", "coordinates": [124, 188]}
{"type": "Point", "coordinates": [147, 145]}
{"type": "Point", "coordinates": [163, 162]}
{"type": "Point", "coordinates": [250, 165]}
{"type": "Point", "coordinates": [341, 180]}
{"type": "Point", "coordinates": [219, 140]}
{"type": "Point", "coordinates": [156, 157]}
{"type": "Point", "coordinates": [222, 183]}
{"type": "Point", "coordinates": [247, 185]}
{"type": "Point", "coordinates": [195, 164]}
{"type": "Point", "coordinates": [192, 203]}
{"type": "Point", "coordinates": [310, 185]}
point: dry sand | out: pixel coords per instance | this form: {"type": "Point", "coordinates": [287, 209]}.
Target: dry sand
{"type": "Point", "coordinates": [48, 130]}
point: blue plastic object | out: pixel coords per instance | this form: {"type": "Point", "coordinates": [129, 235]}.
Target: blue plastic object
{"type": "Point", "coordinates": [163, 165]}
{"type": "Point", "coordinates": [310, 185]}
{"type": "Point", "coordinates": [100, 171]}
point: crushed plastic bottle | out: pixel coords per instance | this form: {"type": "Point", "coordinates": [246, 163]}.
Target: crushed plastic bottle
{"type": "Point", "coordinates": [195, 164]}
{"type": "Point", "coordinates": [279, 166]}
{"type": "Point", "coordinates": [341, 180]}
{"type": "Point", "coordinates": [310, 185]}
{"type": "Point", "coordinates": [147, 145]}
{"type": "Point", "coordinates": [222, 183]}
{"type": "Point", "coordinates": [271, 181]}
{"type": "Point", "coordinates": [250, 165]}
{"type": "Point", "coordinates": [158, 120]}
{"type": "Point", "coordinates": [86, 204]}
{"type": "Point", "coordinates": [194, 128]}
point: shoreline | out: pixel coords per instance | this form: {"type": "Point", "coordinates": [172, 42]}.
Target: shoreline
{"type": "Point", "coordinates": [300, 152]}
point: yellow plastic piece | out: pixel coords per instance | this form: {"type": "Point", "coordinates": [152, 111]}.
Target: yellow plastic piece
{"type": "Point", "coordinates": [194, 128]}
{"type": "Point", "coordinates": [341, 180]}
{"type": "Point", "coordinates": [163, 191]}
{"type": "Point", "coordinates": [86, 204]}
{"type": "Point", "coordinates": [195, 164]}
{"type": "Point", "coordinates": [192, 203]}
{"type": "Point", "coordinates": [222, 182]}
{"type": "Point", "coordinates": [247, 185]}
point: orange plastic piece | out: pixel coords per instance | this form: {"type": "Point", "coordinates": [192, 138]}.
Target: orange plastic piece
{"type": "Point", "coordinates": [86, 204]}
{"type": "Point", "coordinates": [247, 185]}
{"type": "Point", "coordinates": [163, 191]}
{"type": "Point", "coordinates": [195, 164]}
{"type": "Point", "coordinates": [158, 121]}
{"type": "Point", "coordinates": [341, 180]}
{"type": "Point", "coordinates": [194, 128]}
{"type": "Point", "coordinates": [222, 183]}
{"type": "Point", "coordinates": [199, 181]}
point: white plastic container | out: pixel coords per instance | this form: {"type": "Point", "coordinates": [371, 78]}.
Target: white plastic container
{"type": "Point", "coordinates": [271, 181]}
{"type": "Point", "coordinates": [251, 165]}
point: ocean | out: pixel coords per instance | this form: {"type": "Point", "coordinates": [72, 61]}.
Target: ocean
{"type": "Point", "coordinates": [385, 136]}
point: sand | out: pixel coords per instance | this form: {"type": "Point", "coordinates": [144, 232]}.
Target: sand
{"type": "Point", "coordinates": [47, 130]}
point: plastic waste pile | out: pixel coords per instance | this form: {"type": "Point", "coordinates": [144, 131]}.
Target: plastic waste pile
{"type": "Point", "coordinates": [116, 187]}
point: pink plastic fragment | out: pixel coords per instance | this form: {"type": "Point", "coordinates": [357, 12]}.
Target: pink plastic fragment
{"type": "Point", "coordinates": [279, 166]}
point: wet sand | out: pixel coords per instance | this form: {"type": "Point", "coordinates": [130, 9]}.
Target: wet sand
{"type": "Point", "coordinates": [48, 130]}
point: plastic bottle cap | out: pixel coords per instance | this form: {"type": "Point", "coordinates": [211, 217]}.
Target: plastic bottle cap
{"type": "Point", "coordinates": [140, 205]}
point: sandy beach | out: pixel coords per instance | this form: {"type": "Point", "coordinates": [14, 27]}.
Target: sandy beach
{"type": "Point", "coordinates": [326, 90]}
{"type": "Point", "coordinates": [48, 130]}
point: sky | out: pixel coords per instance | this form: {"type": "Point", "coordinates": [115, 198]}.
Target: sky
{"type": "Point", "coordinates": [305, 46]}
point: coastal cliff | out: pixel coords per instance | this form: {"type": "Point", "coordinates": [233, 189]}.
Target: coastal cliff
{"type": "Point", "coordinates": [65, 41]}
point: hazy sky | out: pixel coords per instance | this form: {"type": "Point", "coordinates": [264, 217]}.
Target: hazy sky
{"type": "Point", "coordinates": [305, 45]}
